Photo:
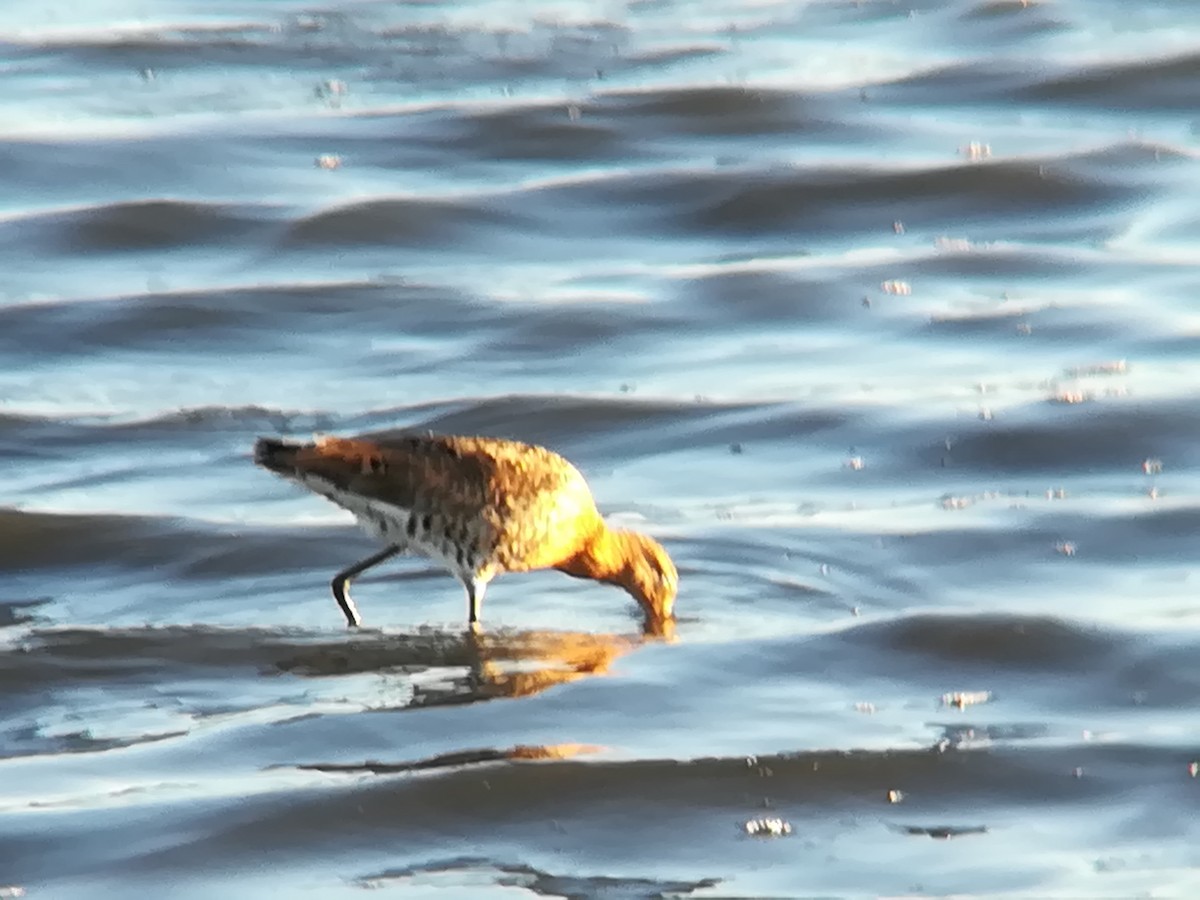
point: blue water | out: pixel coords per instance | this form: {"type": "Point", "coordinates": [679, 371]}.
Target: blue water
{"type": "Point", "coordinates": [881, 316]}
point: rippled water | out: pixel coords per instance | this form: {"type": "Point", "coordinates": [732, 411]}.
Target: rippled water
{"type": "Point", "coordinates": [882, 316]}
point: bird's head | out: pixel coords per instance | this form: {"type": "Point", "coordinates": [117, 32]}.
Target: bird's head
{"type": "Point", "coordinates": [649, 575]}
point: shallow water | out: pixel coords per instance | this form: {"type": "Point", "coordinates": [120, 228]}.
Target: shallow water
{"type": "Point", "coordinates": [882, 316]}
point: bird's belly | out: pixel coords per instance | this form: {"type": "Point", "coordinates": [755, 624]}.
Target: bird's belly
{"type": "Point", "coordinates": [385, 528]}
{"type": "Point", "coordinates": [415, 532]}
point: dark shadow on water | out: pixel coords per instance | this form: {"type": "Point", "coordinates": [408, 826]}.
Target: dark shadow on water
{"type": "Point", "coordinates": [941, 832]}
{"type": "Point", "coordinates": [472, 871]}
{"type": "Point", "coordinates": [20, 612]}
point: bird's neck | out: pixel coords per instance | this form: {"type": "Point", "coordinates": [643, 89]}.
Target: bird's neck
{"type": "Point", "coordinates": [604, 557]}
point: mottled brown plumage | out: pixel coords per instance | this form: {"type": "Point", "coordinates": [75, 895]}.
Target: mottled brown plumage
{"type": "Point", "coordinates": [481, 506]}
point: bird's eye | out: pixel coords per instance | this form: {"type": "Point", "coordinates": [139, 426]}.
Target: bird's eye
{"type": "Point", "coordinates": [374, 465]}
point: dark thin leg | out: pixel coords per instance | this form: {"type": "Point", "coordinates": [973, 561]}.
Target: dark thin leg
{"type": "Point", "coordinates": [474, 600]}
{"type": "Point", "coordinates": [341, 583]}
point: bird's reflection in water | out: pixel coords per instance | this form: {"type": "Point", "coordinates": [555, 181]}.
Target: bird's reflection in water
{"type": "Point", "coordinates": [472, 667]}
{"type": "Point", "coordinates": [450, 668]}
{"type": "Point", "coordinates": [457, 759]}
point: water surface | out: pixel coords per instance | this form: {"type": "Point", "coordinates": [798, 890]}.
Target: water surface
{"type": "Point", "coordinates": [881, 316]}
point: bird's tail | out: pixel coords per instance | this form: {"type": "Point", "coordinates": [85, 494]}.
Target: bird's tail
{"type": "Point", "coordinates": [276, 455]}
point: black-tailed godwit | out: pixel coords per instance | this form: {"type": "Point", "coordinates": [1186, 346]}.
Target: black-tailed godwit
{"type": "Point", "coordinates": [479, 506]}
